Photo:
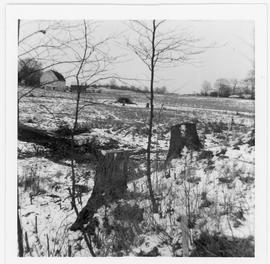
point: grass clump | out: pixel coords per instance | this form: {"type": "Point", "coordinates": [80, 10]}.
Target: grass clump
{"type": "Point", "coordinates": [65, 130]}
{"type": "Point", "coordinates": [215, 245]}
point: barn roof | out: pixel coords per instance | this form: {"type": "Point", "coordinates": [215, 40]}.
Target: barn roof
{"type": "Point", "coordinates": [58, 75]}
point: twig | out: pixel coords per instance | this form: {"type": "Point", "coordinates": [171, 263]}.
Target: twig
{"type": "Point", "coordinates": [48, 245]}
{"type": "Point", "coordinates": [36, 229]}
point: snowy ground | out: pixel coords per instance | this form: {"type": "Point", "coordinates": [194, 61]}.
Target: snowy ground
{"type": "Point", "coordinates": [214, 188]}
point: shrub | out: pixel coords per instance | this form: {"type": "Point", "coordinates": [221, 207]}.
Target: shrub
{"type": "Point", "coordinates": [31, 181]}
{"type": "Point", "coordinates": [29, 71]}
{"type": "Point", "coordinates": [126, 212]}
{"type": "Point", "coordinates": [215, 245]}
{"type": "Point", "coordinates": [124, 100]}
{"type": "Point", "coordinates": [213, 94]}
{"type": "Point", "coordinates": [215, 127]}
{"type": "Point", "coordinates": [65, 130]}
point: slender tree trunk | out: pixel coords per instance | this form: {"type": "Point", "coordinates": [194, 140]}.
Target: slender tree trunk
{"type": "Point", "coordinates": [73, 174]}
{"type": "Point", "coordinates": [18, 109]}
{"type": "Point", "coordinates": [19, 24]}
{"type": "Point", "coordinates": [20, 236]}
{"type": "Point", "coordinates": [155, 48]}
{"type": "Point", "coordinates": [19, 227]}
{"type": "Point", "coordinates": [27, 247]}
{"type": "Point", "coordinates": [152, 197]}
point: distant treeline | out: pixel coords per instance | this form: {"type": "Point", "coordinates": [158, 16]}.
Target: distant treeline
{"type": "Point", "coordinates": [119, 87]}
{"type": "Point", "coordinates": [243, 88]}
{"type": "Point", "coordinates": [158, 90]}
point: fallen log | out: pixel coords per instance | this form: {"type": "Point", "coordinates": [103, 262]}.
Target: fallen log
{"type": "Point", "coordinates": [40, 136]}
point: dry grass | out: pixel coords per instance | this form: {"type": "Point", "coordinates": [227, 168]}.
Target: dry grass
{"type": "Point", "coordinates": [205, 199]}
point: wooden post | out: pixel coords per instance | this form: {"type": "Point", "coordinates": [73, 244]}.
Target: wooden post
{"type": "Point", "coordinates": [109, 185]}
{"type": "Point", "coordinates": [48, 245]}
{"type": "Point", "coordinates": [185, 235]}
{"type": "Point", "coordinates": [31, 198]}
{"type": "Point", "coordinates": [36, 229]}
{"type": "Point", "coordinates": [183, 135]}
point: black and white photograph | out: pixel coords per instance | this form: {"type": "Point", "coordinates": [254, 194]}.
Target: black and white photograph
{"type": "Point", "coordinates": [136, 137]}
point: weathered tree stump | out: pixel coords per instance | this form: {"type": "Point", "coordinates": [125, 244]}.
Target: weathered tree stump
{"type": "Point", "coordinates": [184, 134]}
{"type": "Point", "coordinates": [109, 185]}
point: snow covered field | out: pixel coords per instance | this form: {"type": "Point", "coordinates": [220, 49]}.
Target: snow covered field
{"type": "Point", "coordinates": [214, 187]}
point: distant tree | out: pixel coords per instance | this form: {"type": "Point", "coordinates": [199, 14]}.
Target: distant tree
{"type": "Point", "coordinates": [161, 90]}
{"type": "Point", "coordinates": [213, 94]}
{"type": "Point", "coordinates": [249, 87]}
{"type": "Point", "coordinates": [246, 89]}
{"type": "Point", "coordinates": [223, 87]}
{"type": "Point", "coordinates": [145, 89]}
{"type": "Point", "coordinates": [234, 84]}
{"type": "Point", "coordinates": [113, 83]}
{"type": "Point", "coordinates": [250, 81]}
{"type": "Point", "coordinates": [29, 71]}
{"type": "Point", "coordinates": [206, 88]}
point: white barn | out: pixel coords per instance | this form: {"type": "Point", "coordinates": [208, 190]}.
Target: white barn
{"type": "Point", "coordinates": [53, 80]}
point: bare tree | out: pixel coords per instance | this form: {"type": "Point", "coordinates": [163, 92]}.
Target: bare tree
{"type": "Point", "coordinates": [92, 67]}
{"type": "Point", "coordinates": [86, 60]}
{"type": "Point", "coordinates": [223, 87]}
{"type": "Point", "coordinates": [158, 48]}
{"type": "Point", "coordinates": [206, 88]}
{"type": "Point", "coordinates": [250, 57]}
{"type": "Point", "coordinates": [86, 54]}
{"type": "Point", "coordinates": [57, 45]}
{"type": "Point", "coordinates": [234, 84]}
{"type": "Point", "coordinates": [31, 48]}
{"type": "Point", "coordinates": [40, 45]}
{"type": "Point", "coordinates": [250, 80]}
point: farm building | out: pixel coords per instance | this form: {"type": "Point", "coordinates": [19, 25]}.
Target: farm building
{"type": "Point", "coordinates": [53, 80]}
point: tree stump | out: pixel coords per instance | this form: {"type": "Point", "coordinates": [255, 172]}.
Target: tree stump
{"type": "Point", "coordinates": [184, 134]}
{"type": "Point", "coordinates": [109, 185]}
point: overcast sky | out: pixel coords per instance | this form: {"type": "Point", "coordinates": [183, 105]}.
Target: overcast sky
{"type": "Point", "coordinates": [230, 55]}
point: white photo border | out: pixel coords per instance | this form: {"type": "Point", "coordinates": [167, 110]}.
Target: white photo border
{"type": "Point", "coordinates": [255, 12]}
